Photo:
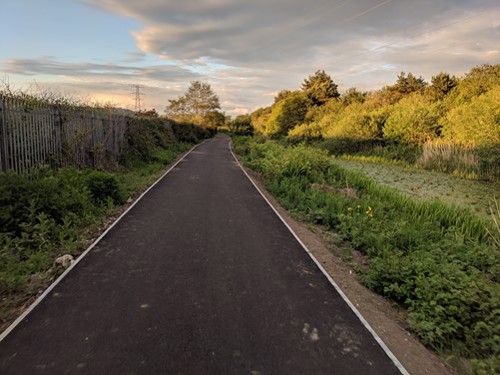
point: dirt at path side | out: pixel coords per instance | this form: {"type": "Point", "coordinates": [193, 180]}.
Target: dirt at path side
{"type": "Point", "coordinates": [384, 318]}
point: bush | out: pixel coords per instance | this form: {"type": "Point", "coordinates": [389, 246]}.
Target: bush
{"type": "Point", "coordinates": [56, 194]}
{"type": "Point", "coordinates": [476, 121]}
{"type": "Point", "coordinates": [413, 120]}
{"type": "Point", "coordinates": [305, 132]}
{"type": "Point", "coordinates": [276, 160]}
{"type": "Point", "coordinates": [39, 219]}
{"type": "Point", "coordinates": [103, 187]}
{"type": "Point", "coordinates": [357, 122]}
{"type": "Point", "coordinates": [189, 133]}
{"type": "Point", "coordinates": [287, 113]}
{"type": "Point", "coordinates": [144, 134]}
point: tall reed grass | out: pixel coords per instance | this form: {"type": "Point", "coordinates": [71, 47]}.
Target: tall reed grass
{"type": "Point", "coordinates": [467, 160]}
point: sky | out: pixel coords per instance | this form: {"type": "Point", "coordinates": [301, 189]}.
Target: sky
{"type": "Point", "coordinates": [248, 50]}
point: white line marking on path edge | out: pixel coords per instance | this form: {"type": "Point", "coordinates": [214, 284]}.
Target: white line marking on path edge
{"type": "Point", "coordinates": [82, 255]}
{"type": "Point", "coordinates": [337, 288]}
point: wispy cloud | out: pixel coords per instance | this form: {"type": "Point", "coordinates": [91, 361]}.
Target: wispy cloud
{"type": "Point", "coordinates": [249, 50]}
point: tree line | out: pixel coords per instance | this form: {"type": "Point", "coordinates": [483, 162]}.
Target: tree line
{"type": "Point", "coordinates": [462, 110]}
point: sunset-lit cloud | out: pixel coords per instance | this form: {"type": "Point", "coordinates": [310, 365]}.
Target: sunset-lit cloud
{"type": "Point", "coordinates": [249, 50]}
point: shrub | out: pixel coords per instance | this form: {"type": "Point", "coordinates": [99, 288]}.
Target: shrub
{"type": "Point", "coordinates": [287, 113]}
{"type": "Point", "coordinates": [190, 133]}
{"type": "Point", "coordinates": [476, 121]}
{"type": "Point", "coordinates": [357, 122]}
{"type": "Point", "coordinates": [103, 187]}
{"type": "Point", "coordinates": [413, 120]}
{"type": "Point", "coordinates": [306, 132]}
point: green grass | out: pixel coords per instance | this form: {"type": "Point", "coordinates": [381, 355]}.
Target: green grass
{"type": "Point", "coordinates": [437, 260]}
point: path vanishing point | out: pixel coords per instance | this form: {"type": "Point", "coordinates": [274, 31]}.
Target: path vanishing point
{"type": "Point", "coordinates": [200, 276]}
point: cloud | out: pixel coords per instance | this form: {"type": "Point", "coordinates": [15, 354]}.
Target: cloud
{"type": "Point", "coordinates": [249, 50]}
{"type": "Point", "coordinates": [274, 45]}
{"type": "Point", "coordinates": [262, 32]}
{"type": "Point", "coordinates": [105, 81]}
{"type": "Point", "coordinates": [50, 66]}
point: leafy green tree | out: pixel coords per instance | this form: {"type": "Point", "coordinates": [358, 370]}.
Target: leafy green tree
{"type": "Point", "coordinates": [287, 114]}
{"type": "Point", "coordinates": [283, 94]}
{"type": "Point", "coordinates": [352, 95]}
{"type": "Point", "coordinates": [406, 84]}
{"type": "Point", "coordinates": [195, 104]}
{"type": "Point", "coordinates": [478, 81]}
{"type": "Point", "coordinates": [213, 119]}
{"type": "Point", "coordinates": [320, 88]}
{"type": "Point", "coordinates": [357, 122]}
{"type": "Point", "coordinates": [259, 119]}
{"type": "Point", "coordinates": [441, 85]}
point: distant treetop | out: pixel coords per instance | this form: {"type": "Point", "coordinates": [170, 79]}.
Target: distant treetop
{"type": "Point", "coordinates": [320, 88]}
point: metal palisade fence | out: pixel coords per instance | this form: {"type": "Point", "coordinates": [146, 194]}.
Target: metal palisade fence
{"type": "Point", "coordinates": [34, 133]}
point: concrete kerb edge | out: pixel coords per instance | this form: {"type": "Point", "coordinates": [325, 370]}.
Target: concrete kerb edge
{"type": "Point", "coordinates": [25, 314]}
{"type": "Point", "coordinates": [367, 325]}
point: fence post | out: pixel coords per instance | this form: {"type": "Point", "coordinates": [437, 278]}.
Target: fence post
{"type": "Point", "coordinates": [3, 138]}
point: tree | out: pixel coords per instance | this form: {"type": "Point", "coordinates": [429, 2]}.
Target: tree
{"type": "Point", "coordinates": [197, 103]}
{"type": "Point", "coordinates": [259, 119]}
{"type": "Point", "coordinates": [214, 119]}
{"type": "Point", "coordinates": [476, 121]}
{"type": "Point", "coordinates": [242, 124]}
{"type": "Point", "coordinates": [406, 84]}
{"type": "Point", "coordinates": [283, 94]}
{"type": "Point", "coordinates": [441, 85]}
{"type": "Point", "coordinates": [320, 88]}
{"type": "Point", "coordinates": [478, 81]}
{"type": "Point", "coordinates": [352, 95]}
{"type": "Point", "coordinates": [287, 114]}
{"type": "Point", "coordinates": [147, 113]}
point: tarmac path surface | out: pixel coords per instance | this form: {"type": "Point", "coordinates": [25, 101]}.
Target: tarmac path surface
{"type": "Point", "coordinates": [199, 277]}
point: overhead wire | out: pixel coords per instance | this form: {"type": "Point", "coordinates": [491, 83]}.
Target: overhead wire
{"type": "Point", "coordinates": [298, 25]}
{"type": "Point", "coordinates": [343, 22]}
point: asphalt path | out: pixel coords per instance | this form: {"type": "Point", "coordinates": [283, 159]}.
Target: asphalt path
{"type": "Point", "coordinates": [199, 277]}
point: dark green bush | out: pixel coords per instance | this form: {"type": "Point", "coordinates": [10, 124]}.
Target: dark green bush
{"type": "Point", "coordinates": [144, 135]}
{"type": "Point", "coordinates": [103, 187]}
{"type": "Point", "coordinates": [54, 193]}
{"type": "Point", "coordinates": [190, 133]}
